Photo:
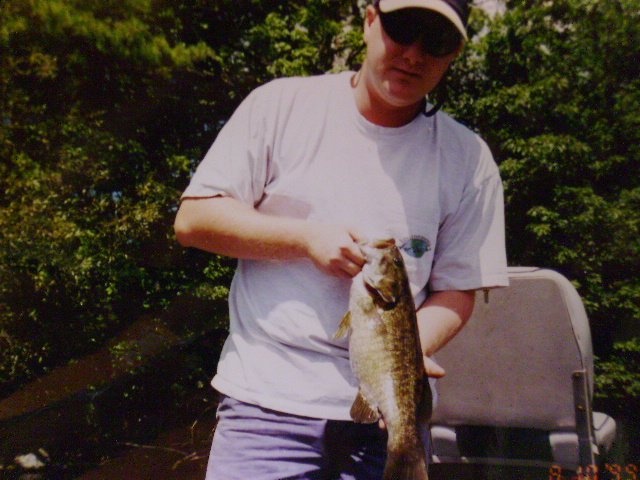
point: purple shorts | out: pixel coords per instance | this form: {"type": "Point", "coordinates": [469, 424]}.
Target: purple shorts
{"type": "Point", "coordinates": [253, 443]}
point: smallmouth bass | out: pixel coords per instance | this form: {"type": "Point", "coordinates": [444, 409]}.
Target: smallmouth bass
{"type": "Point", "coordinates": [387, 360]}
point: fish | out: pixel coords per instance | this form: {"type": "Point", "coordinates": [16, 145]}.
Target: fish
{"type": "Point", "coordinates": [386, 358]}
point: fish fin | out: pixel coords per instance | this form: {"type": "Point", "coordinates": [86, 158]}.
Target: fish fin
{"type": "Point", "coordinates": [345, 326]}
{"type": "Point", "coordinates": [406, 465]}
{"type": "Point", "coordinates": [362, 411]}
{"type": "Point", "coordinates": [425, 406]}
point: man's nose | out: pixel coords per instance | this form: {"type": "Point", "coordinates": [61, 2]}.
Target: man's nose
{"type": "Point", "coordinates": [415, 52]}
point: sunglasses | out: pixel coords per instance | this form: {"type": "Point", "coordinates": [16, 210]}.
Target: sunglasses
{"type": "Point", "coordinates": [438, 36]}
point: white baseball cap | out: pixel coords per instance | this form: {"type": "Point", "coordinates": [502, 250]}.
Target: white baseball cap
{"type": "Point", "coordinates": [456, 11]}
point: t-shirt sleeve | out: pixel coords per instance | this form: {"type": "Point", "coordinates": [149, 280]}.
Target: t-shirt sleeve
{"type": "Point", "coordinates": [236, 165]}
{"type": "Point", "coordinates": [470, 248]}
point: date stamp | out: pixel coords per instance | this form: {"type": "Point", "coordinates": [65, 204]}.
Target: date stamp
{"type": "Point", "coordinates": [610, 471]}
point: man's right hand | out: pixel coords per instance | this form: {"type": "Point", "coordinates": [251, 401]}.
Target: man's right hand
{"type": "Point", "coordinates": [334, 249]}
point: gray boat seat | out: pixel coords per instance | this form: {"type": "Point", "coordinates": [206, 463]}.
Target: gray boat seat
{"type": "Point", "coordinates": [519, 382]}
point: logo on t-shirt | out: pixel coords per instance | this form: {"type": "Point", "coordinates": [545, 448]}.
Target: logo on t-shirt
{"type": "Point", "coordinates": [416, 246]}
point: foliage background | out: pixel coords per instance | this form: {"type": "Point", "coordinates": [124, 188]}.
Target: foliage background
{"type": "Point", "coordinates": [107, 106]}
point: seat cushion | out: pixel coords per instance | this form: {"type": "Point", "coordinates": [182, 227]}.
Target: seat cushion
{"type": "Point", "coordinates": [495, 445]}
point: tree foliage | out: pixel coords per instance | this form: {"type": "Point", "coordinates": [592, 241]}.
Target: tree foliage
{"type": "Point", "coordinates": [107, 106]}
{"type": "Point", "coordinates": [90, 170]}
{"type": "Point", "coordinates": [554, 87]}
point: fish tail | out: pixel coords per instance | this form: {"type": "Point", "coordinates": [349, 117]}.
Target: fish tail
{"type": "Point", "coordinates": [406, 465]}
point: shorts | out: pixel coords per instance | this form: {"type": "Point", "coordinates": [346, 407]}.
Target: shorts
{"type": "Point", "coordinates": [253, 443]}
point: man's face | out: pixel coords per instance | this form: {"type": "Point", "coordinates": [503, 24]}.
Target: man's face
{"type": "Point", "coordinates": [399, 75]}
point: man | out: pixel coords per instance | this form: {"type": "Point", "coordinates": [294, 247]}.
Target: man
{"type": "Point", "coordinates": [304, 169]}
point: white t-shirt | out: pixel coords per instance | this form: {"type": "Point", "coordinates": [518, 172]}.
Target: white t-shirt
{"type": "Point", "coordinates": [298, 147]}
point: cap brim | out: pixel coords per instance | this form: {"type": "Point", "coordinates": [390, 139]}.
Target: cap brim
{"type": "Point", "coordinates": [436, 5]}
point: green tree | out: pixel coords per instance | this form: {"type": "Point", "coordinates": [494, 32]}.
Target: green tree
{"type": "Point", "coordinates": [93, 153]}
{"type": "Point", "coordinates": [554, 88]}
{"type": "Point", "coordinates": [107, 106]}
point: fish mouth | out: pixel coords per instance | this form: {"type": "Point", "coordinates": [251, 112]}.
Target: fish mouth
{"type": "Point", "coordinates": [383, 243]}
{"type": "Point", "coordinates": [369, 248]}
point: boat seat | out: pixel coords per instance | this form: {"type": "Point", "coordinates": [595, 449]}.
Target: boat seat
{"type": "Point", "coordinates": [519, 383]}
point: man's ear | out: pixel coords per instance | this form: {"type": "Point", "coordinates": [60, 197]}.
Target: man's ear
{"type": "Point", "coordinates": [370, 15]}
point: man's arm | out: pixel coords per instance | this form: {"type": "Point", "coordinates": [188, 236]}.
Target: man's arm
{"type": "Point", "coordinates": [229, 227]}
{"type": "Point", "coordinates": [440, 318]}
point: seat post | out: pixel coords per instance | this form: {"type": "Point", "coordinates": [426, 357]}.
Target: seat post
{"type": "Point", "coordinates": [584, 420]}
